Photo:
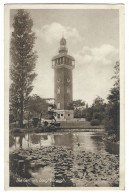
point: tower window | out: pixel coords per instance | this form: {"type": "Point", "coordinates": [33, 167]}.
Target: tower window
{"type": "Point", "coordinates": [58, 115]}
{"type": "Point", "coordinates": [68, 90]}
{"type": "Point", "coordinates": [61, 60]}
{"type": "Point", "coordinates": [68, 79]}
{"type": "Point", "coordinates": [58, 80]}
{"type": "Point", "coordinates": [58, 90]}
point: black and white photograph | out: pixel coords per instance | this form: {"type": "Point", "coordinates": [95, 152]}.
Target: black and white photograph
{"type": "Point", "coordinates": [64, 96]}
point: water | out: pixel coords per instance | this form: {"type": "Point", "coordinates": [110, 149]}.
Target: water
{"type": "Point", "coordinates": [63, 159]}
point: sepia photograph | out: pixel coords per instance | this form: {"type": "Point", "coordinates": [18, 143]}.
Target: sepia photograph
{"type": "Point", "coordinates": [64, 85]}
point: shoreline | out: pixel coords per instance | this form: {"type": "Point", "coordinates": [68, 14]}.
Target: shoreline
{"type": "Point", "coordinates": [36, 130]}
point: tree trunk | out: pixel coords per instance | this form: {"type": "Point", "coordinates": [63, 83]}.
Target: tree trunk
{"type": "Point", "coordinates": [28, 119]}
{"type": "Point", "coordinates": [21, 113]}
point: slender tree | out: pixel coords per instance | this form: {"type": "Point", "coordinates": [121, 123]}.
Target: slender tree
{"type": "Point", "coordinates": [23, 61]}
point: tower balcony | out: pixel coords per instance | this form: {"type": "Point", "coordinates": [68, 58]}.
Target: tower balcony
{"type": "Point", "coordinates": [63, 65]}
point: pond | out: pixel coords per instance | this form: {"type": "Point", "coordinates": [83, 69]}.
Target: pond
{"type": "Point", "coordinates": [63, 159]}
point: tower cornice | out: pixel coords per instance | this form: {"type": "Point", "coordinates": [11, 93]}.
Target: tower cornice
{"type": "Point", "coordinates": [71, 67]}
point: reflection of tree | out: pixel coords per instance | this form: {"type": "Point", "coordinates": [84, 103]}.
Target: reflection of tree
{"type": "Point", "coordinates": [112, 148]}
{"type": "Point", "coordinates": [11, 140]}
{"type": "Point", "coordinates": [98, 142]}
{"type": "Point", "coordinates": [21, 140]}
{"type": "Point", "coordinates": [45, 137]}
{"type": "Point", "coordinates": [35, 139]}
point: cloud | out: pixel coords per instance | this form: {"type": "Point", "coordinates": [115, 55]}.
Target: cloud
{"type": "Point", "coordinates": [93, 71]}
{"type": "Point", "coordinates": [92, 56]}
{"type": "Point", "coordinates": [54, 31]}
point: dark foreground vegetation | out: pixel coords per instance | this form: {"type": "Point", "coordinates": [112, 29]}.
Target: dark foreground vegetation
{"type": "Point", "coordinates": [71, 169]}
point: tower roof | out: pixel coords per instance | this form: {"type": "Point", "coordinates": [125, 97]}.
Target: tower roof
{"type": "Point", "coordinates": [63, 48]}
{"type": "Point", "coordinates": [63, 41]}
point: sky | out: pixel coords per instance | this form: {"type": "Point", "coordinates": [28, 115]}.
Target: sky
{"type": "Point", "coordinates": [92, 39]}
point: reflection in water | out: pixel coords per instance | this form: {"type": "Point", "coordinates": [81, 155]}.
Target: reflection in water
{"type": "Point", "coordinates": [64, 139]}
{"type": "Point", "coordinates": [63, 159]}
{"type": "Point", "coordinates": [43, 176]}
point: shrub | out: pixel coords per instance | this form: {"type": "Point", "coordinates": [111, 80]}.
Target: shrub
{"type": "Point", "coordinates": [95, 122]}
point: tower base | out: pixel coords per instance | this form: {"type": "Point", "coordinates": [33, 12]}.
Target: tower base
{"type": "Point", "coordinates": [63, 115]}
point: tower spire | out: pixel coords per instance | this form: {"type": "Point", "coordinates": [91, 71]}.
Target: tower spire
{"type": "Point", "coordinates": [63, 48]}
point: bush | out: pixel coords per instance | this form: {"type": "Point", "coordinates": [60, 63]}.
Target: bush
{"type": "Point", "coordinates": [95, 122]}
{"type": "Point", "coordinates": [11, 118]}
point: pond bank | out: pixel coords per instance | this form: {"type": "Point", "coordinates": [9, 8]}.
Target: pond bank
{"type": "Point", "coordinates": [63, 126]}
{"type": "Point", "coordinates": [39, 130]}
{"type": "Point", "coordinates": [110, 139]}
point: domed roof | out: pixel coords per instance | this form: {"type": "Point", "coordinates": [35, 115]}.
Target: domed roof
{"type": "Point", "coordinates": [63, 41]}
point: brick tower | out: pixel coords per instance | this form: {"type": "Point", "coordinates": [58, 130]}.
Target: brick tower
{"type": "Point", "coordinates": [63, 65]}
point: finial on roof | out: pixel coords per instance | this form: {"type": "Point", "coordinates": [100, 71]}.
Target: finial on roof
{"type": "Point", "coordinates": [63, 41]}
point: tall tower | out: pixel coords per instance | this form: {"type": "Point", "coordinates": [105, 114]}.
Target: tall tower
{"type": "Point", "coordinates": [63, 65]}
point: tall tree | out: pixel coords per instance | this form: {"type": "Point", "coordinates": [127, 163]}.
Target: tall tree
{"type": "Point", "coordinates": [112, 113]}
{"type": "Point", "coordinates": [23, 61]}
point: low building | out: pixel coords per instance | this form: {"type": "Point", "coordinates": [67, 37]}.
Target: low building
{"type": "Point", "coordinates": [62, 115]}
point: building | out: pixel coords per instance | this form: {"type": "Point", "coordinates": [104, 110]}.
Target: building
{"type": "Point", "coordinates": [63, 65]}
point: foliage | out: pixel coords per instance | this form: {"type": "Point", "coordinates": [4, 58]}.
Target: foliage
{"type": "Point", "coordinates": [76, 104]}
{"type": "Point", "coordinates": [23, 62]}
{"type": "Point", "coordinates": [78, 107]}
{"type": "Point", "coordinates": [98, 107]}
{"type": "Point", "coordinates": [95, 122]}
{"type": "Point", "coordinates": [112, 113]}
{"type": "Point", "coordinates": [95, 111]}
{"type": "Point", "coordinates": [89, 113]}
{"type": "Point", "coordinates": [36, 106]}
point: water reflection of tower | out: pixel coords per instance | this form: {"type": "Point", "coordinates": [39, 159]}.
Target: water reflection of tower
{"type": "Point", "coordinates": [63, 166]}
{"type": "Point", "coordinates": [64, 162]}
{"type": "Point", "coordinates": [65, 139]}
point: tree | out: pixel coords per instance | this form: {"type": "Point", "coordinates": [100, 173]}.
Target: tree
{"type": "Point", "coordinates": [112, 113]}
{"type": "Point", "coordinates": [23, 62]}
{"type": "Point", "coordinates": [77, 106]}
{"type": "Point", "coordinates": [89, 113]}
{"type": "Point", "coordinates": [37, 106]}
{"type": "Point", "coordinates": [114, 96]}
{"type": "Point", "coordinates": [98, 108]}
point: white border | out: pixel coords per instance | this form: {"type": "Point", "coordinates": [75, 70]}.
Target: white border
{"type": "Point", "coordinates": [126, 76]}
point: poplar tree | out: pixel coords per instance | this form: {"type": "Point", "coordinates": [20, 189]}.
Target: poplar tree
{"type": "Point", "coordinates": [23, 62]}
